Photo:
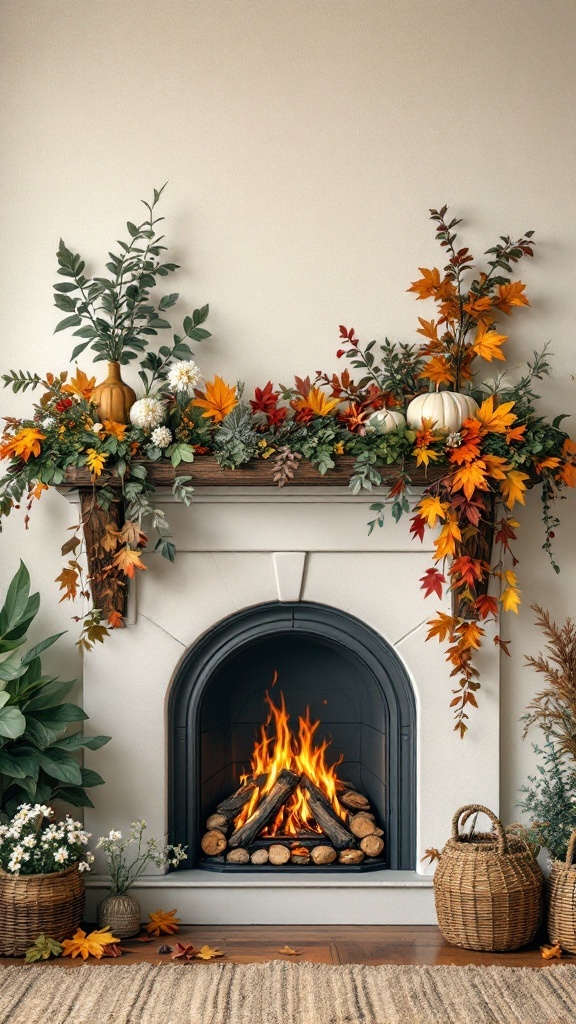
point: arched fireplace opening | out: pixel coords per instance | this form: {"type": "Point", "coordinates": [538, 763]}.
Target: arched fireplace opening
{"type": "Point", "coordinates": [351, 679]}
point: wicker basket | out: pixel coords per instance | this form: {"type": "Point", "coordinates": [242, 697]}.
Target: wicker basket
{"type": "Point", "coordinates": [561, 900]}
{"type": "Point", "coordinates": [32, 904]}
{"type": "Point", "coordinates": [487, 887]}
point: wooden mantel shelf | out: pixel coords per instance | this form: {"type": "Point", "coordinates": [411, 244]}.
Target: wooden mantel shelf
{"type": "Point", "coordinates": [206, 472]}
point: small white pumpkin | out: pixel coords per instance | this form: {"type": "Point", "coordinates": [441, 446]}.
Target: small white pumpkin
{"type": "Point", "coordinates": [446, 409]}
{"type": "Point", "coordinates": [386, 420]}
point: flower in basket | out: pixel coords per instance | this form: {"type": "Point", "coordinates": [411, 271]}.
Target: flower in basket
{"type": "Point", "coordinates": [127, 858]}
{"type": "Point", "coordinates": [32, 844]}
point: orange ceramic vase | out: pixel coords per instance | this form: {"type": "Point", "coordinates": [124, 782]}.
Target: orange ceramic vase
{"type": "Point", "coordinates": [113, 397]}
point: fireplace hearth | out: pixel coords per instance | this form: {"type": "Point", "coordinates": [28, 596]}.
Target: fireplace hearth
{"type": "Point", "coordinates": [232, 801]}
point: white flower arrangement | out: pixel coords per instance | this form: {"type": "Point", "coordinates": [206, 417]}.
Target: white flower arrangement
{"type": "Point", "coordinates": [147, 413]}
{"type": "Point", "coordinates": [29, 845]}
{"type": "Point", "coordinates": [125, 869]}
{"type": "Point", "coordinates": [184, 376]}
{"type": "Point", "coordinates": [161, 437]}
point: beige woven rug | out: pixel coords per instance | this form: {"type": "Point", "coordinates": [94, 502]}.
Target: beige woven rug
{"type": "Point", "coordinates": [286, 993]}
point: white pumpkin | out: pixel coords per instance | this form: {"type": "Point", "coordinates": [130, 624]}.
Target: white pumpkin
{"type": "Point", "coordinates": [386, 420]}
{"type": "Point", "coordinates": [446, 409]}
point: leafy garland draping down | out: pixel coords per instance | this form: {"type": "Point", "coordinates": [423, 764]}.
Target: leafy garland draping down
{"type": "Point", "coordinates": [489, 460]}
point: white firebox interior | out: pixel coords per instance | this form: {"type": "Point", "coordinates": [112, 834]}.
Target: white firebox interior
{"type": "Point", "coordinates": [238, 547]}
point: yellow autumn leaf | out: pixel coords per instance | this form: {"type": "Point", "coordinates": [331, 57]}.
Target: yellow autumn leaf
{"type": "Point", "coordinates": [510, 295]}
{"type": "Point", "coordinates": [431, 508]}
{"type": "Point", "coordinates": [25, 443]}
{"type": "Point", "coordinates": [217, 401]}
{"type": "Point", "coordinates": [469, 634]}
{"type": "Point", "coordinates": [207, 953]}
{"type": "Point", "coordinates": [288, 951]}
{"type": "Point", "coordinates": [80, 385]}
{"type": "Point", "coordinates": [445, 544]}
{"type": "Point", "coordinates": [478, 306]}
{"type": "Point", "coordinates": [550, 952]}
{"type": "Point", "coordinates": [513, 487]}
{"type": "Point", "coordinates": [115, 429]}
{"type": "Point", "coordinates": [95, 461]}
{"type": "Point", "coordinates": [442, 626]}
{"type": "Point", "coordinates": [428, 328]}
{"type": "Point", "coordinates": [85, 945]}
{"type": "Point", "coordinates": [510, 598]}
{"type": "Point", "coordinates": [68, 580]}
{"type": "Point", "coordinates": [495, 421]}
{"type": "Point", "coordinates": [316, 401]}
{"type": "Point", "coordinates": [163, 922]}
{"type": "Point", "coordinates": [128, 561]}
{"type": "Point", "coordinates": [496, 466]}
{"type": "Point", "coordinates": [487, 344]}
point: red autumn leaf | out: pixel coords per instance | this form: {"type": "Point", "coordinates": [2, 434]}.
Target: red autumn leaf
{"type": "Point", "coordinates": [486, 606]}
{"type": "Point", "coordinates": [115, 620]}
{"type": "Point", "coordinates": [432, 581]}
{"type": "Point", "coordinates": [418, 527]}
{"type": "Point", "coordinates": [467, 570]}
{"type": "Point", "coordinates": [112, 949]}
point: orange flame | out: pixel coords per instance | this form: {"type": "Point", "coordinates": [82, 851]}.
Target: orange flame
{"type": "Point", "coordinates": [280, 749]}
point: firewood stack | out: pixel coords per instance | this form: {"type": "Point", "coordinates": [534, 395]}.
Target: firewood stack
{"type": "Point", "coordinates": [349, 841]}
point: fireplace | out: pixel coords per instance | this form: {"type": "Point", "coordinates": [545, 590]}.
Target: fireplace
{"type": "Point", "coordinates": [324, 661]}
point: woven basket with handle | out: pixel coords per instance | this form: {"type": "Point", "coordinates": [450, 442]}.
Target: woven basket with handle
{"type": "Point", "coordinates": [561, 900]}
{"type": "Point", "coordinates": [32, 904]}
{"type": "Point", "coordinates": [487, 887]}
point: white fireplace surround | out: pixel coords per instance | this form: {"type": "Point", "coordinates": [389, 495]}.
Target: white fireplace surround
{"type": "Point", "coordinates": [243, 546]}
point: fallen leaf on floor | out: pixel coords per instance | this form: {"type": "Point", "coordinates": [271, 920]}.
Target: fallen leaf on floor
{"type": "Point", "coordinates": [144, 938]}
{"type": "Point", "coordinates": [43, 949]}
{"type": "Point", "coordinates": [290, 952]}
{"type": "Point", "coordinates": [163, 922]}
{"type": "Point", "coordinates": [112, 949]}
{"type": "Point", "coordinates": [85, 945]}
{"type": "Point", "coordinates": [181, 951]}
{"type": "Point", "coordinates": [207, 953]}
{"type": "Point", "coordinates": [549, 952]}
{"type": "Point", "coordinates": [164, 949]}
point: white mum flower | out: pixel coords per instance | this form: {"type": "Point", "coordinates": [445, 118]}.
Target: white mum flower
{"type": "Point", "coordinates": [83, 866]}
{"type": "Point", "coordinates": [115, 836]}
{"type": "Point", "coordinates": [161, 437]}
{"type": "Point", "coordinates": [61, 855]}
{"type": "Point", "coordinates": [184, 376]}
{"type": "Point", "coordinates": [29, 841]}
{"type": "Point", "coordinates": [147, 413]}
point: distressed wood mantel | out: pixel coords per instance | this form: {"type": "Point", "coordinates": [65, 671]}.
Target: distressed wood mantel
{"type": "Point", "coordinates": [108, 593]}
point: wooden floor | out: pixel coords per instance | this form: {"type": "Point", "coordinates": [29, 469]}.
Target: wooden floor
{"type": "Point", "coordinates": [322, 944]}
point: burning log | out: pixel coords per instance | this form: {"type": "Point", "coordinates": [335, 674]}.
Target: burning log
{"type": "Point", "coordinates": [351, 856]}
{"type": "Point", "coordinates": [266, 811]}
{"type": "Point", "coordinates": [324, 854]}
{"type": "Point", "coordinates": [213, 842]}
{"type": "Point", "coordinates": [326, 817]}
{"type": "Point", "coordinates": [231, 806]}
{"type": "Point", "coordinates": [372, 845]}
{"type": "Point", "coordinates": [354, 801]}
{"type": "Point", "coordinates": [279, 854]}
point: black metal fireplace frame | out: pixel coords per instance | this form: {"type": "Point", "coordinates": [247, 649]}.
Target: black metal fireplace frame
{"type": "Point", "coordinates": [205, 657]}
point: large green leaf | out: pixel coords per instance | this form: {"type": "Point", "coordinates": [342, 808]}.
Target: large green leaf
{"type": "Point", "coordinates": [38, 648]}
{"type": "Point", "coordinates": [60, 765]}
{"type": "Point", "coordinates": [74, 795]}
{"type": "Point", "coordinates": [59, 716]}
{"type": "Point", "coordinates": [50, 694]}
{"type": "Point", "coordinates": [90, 778]}
{"type": "Point", "coordinates": [11, 668]}
{"type": "Point", "coordinates": [16, 600]}
{"type": "Point", "coordinates": [38, 734]}
{"type": "Point", "coordinates": [77, 740]}
{"type": "Point", "coordinates": [10, 766]}
{"type": "Point", "coordinates": [12, 721]}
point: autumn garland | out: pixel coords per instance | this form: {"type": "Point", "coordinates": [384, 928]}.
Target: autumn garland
{"type": "Point", "coordinates": [490, 459]}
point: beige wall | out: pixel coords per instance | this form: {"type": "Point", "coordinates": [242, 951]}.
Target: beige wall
{"type": "Point", "coordinates": [303, 143]}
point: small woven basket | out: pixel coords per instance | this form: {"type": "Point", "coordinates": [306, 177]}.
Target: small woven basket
{"type": "Point", "coordinates": [561, 900]}
{"type": "Point", "coordinates": [122, 913]}
{"type": "Point", "coordinates": [32, 904]}
{"type": "Point", "coordinates": [487, 887]}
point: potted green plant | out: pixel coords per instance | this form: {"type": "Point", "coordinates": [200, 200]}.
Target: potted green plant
{"type": "Point", "coordinates": [127, 859]}
{"type": "Point", "coordinates": [115, 317]}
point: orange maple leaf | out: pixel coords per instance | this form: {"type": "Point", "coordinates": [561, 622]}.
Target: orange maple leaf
{"type": "Point", "coordinates": [442, 627]}
{"type": "Point", "coordinates": [431, 508]}
{"type": "Point", "coordinates": [80, 385]}
{"type": "Point", "coordinates": [495, 421]}
{"type": "Point", "coordinates": [487, 343]}
{"type": "Point", "coordinates": [218, 400]}
{"type": "Point", "coordinates": [478, 306]}
{"type": "Point", "coordinates": [486, 605]}
{"type": "Point", "coordinates": [438, 371]}
{"type": "Point", "coordinates": [427, 285]}
{"type": "Point", "coordinates": [68, 580]}
{"type": "Point", "coordinates": [470, 477]}
{"type": "Point", "coordinates": [428, 329]}
{"type": "Point", "coordinates": [496, 466]}
{"type": "Point", "coordinates": [516, 433]}
{"type": "Point", "coordinates": [37, 490]}
{"type": "Point", "coordinates": [567, 474]}
{"type": "Point", "coordinates": [115, 620]}
{"type": "Point", "coordinates": [128, 560]}
{"type": "Point", "coordinates": [445, 544]}
{"type": "Point", "coordinates": [115, 429]}
{"type": "Point", "coordinates": [510, 295]}
{"type": "Point", "coordinates": [163, 922]}
{"type": "Point", "coordinates": [550, 952]}
{"type": "Point", "coordinates": [316, 401]}
{"type": "Point", "coordinates": [469, 634]}
{"type": "Point", "coordinates": [25, 443]}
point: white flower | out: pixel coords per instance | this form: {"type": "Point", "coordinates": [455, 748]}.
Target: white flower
{"type": "Point", "coordinates": [47, 422]}
{"type": "Point", "coordinates": [29, 841]}
{"type": "Point", "coordinates": [454, 440]}
{"type": "Point", "coordinates": [83, 866]}
{"type": "Point", "coordinates": [147, 413]}
{"type": "Point", "coordinates": [61, 855]}
{"type": "Point", "coordinates": [115, 836]}
{"type": "Point", "coordinates": [97, 427]}
{"type": "Point", "coordinates": [184, 376]}
{"type": "Point", "coordinates": [161, 437]}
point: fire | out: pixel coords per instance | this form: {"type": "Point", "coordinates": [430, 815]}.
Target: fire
{"type": "Point", "coordinates": [280, 748]}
